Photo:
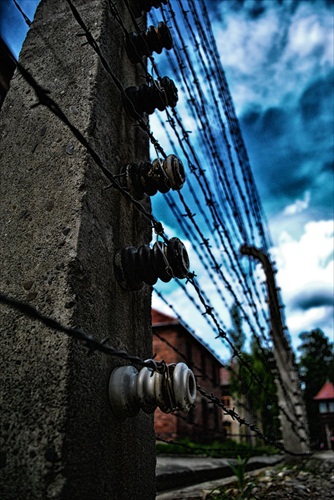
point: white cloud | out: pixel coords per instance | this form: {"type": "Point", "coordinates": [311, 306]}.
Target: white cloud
{"type": "Point", "coordinates": [305, 273]}
{"type": "Point", "coordinates": [320, 317]}
{"type": "Point", "coordinates": [271, 59]}
{"type": "Point", "coordinates": [311, 26]}
{"type": "Point", "coordinates": [198, 322]}
{"type": "Point", "coordinates": [298, 206]}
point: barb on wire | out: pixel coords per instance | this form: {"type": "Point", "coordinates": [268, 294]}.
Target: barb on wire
{"type": "Point", "coordinates": [25, 17]}
{"type": "Point", "coordinates": [45, 100]}
{"type": "Point", "coordinates": [91, 40]}
{"type": "Point", "coordinates": [242, 361]}
{"type": "Point", "coordinates": [242, 421]}
{"type": "Point", "coordinates": [234, 206]}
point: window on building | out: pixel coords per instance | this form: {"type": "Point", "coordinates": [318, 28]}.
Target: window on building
{"type": "Point", "coordinates": [217, 413]}
{"type": "Point", "coordinates": [331, 407]}
{"type": "Point", "coordinates": [323, 408]}
{"type": "Point", "coordinates": [226, 401]}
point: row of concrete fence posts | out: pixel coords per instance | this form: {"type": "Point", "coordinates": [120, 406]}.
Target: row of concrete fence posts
{"type": "Point", "coordinates": [292, 412]}
{"type": "Point", "coordinates": [60, 229]}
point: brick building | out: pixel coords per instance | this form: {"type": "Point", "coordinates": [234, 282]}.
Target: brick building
{"type": "Point", "coordinates": [325, 399]}
{"type": "Point", "coordinates": [174, 343]}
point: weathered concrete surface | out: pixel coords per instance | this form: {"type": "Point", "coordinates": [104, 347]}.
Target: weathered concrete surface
{"type": "Point", "coordinates": [59, 231]}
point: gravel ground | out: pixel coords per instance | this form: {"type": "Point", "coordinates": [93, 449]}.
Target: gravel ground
{"type": "Point", "coordinates": [309, 478]}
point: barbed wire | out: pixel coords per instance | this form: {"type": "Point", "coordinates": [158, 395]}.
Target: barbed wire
{"type": "Point", "coordinates": [222, 181]}
{"type": "Point", "coordinates": [254, 377]}
{"type": "Point", "coordinates": [45, 100]}
{"type": "Point", "coordinates": [243, 421]}
{"type": "Point", "coordinates": [200, 293]}
{"type": "Point", "coordinates": [25, 17]}
{"type": "Point", "coordinates": [167, 197]}
{"type": "Point", "coordinates": [200, 370]}
{"type": "Point", "coordinates": [186, 62]}
{"type": "Point", "coordinates": [190, 363]}
{"type": "Point", "coordinates": [90, 342]}
{"type": "Point", "coordinates": [253, 305]}
{"type": "Point", "coordinates": [219, 75]}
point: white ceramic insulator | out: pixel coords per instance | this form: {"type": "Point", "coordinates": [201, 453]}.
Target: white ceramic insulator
{"type": "Point", "coordinates": [130, 390]}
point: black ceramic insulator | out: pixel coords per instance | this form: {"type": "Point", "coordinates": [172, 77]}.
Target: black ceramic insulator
{"type": "Point", "coordinates": [147, 98]}
{"type": "Point", "coordinates": [135, 266]}
{"type": "Point", "coordinates": [145, 6]}
{"type": "Point", "coordinates": [149, 41]}
{"type": "Point", "coordinates": [149, 178]}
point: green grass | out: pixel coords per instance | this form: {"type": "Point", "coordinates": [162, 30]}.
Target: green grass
{"type": "Point", "coordinates": [229, 449]}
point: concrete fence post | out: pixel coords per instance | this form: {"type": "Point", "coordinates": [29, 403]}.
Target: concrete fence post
{"type": "Point", "coordinates": [60, 230]}
{"type": "Point", "coordinates": [292, 409]}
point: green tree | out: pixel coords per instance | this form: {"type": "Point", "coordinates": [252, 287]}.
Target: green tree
{"type": "Point", "coordinates": [316, 365]}
{"type": "Point", "coordinates": [257, 384]}
{"type": "Point", "coordinates": [236, 333]}
{"type": "Point", "coordinates": [245, 382]}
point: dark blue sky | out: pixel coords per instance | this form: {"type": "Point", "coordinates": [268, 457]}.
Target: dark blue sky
{"type": "Point", "coordinates": [279, 62]}
{"type": "Point", "coordinates": [12, 25]}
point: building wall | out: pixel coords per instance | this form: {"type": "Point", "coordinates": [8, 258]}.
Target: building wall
{"type": "Point", "coordinates": [326, 420]}
{"type": "Point", "coordinates": [165, 425]}
{"type": "Point", "coordinates": [204, 421]}
{"type": "Point", "coordinates": [240, 405]}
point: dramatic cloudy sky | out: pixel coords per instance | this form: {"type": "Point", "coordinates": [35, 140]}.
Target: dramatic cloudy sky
{"type": "Point", "coordinates": [278, 57]}
{"type": "Point", "coordinates": [279, 62]}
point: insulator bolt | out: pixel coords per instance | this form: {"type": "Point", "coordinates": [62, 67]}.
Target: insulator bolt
{"type": "Point", "coordinates": [145, 43]}
{"type": "Point", "coordinates": [131, 391]}
{"type": "Point", "coordinates": [146, 98]}
{"type": "Point", "coordinates": [145, 6]}
{"type": "Point", "coordinates": [135, 266]}
{"type": "Point", "coordinates": [149, 178]}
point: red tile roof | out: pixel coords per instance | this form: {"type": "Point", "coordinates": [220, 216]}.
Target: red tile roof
{"type": "Point", "coordinates": [159, 317]}
{"type": "Point", "coordinates": [326, 392]}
